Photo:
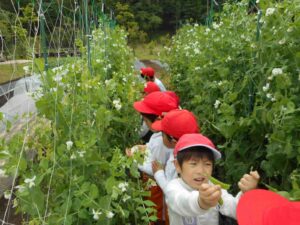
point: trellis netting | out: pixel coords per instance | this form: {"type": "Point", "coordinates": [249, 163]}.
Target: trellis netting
{"type": "Point", "coordinates": [241, 77]}
{"type": "Point", "coordinates": [67, 161]}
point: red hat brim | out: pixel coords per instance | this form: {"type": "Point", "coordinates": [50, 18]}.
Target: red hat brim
{"type": "Point", "coordinates": [252, 206]}
{"type": "Point", "coordinates": [141, 107]}
{"type": "Point", "coordinates": [157, 125]}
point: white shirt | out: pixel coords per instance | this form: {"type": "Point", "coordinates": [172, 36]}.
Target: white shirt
{"type": "Point", "coordinates": [160, 84]}
{"type": "Point", "coordinates": [184, 209]}
{"type": "Point", "coordinates": [155, 151]}
{"type": "Point", "coordinates": [163, 177]}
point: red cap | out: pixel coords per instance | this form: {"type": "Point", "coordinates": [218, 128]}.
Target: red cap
{"type": "Point", "coordinates": [174, 95]}
{"type": "Point", "coordinates": [177, 123]}
{"type": "Point", "coordinates": [151, 87]}
{"type": "Point", "coordinates": [193, 140]}
{"type": "Point", "coordinates": [156, 103]}
{"type": "Point", "coordinates": [148, 71]}
{"type": "Point", "coordinates": [263, 207]}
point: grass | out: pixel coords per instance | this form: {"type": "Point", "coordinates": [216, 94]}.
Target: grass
{"type": "Point", "coordinates": [147, 51]}
{"type": "Point", "coordinates": [9, 72]}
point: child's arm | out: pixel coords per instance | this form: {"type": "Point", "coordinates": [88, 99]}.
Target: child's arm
{"type": "Point", "coordinates": [249, 181]}
{"type": "Point", "coordinates": [159, 175]}
{"type": "Point", "coordinates": [209, 195]}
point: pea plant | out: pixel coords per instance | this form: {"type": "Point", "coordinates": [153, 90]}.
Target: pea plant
{"type": "Point", "coordinates": [240, 76]}
{"type": "Point", "coordinates": [77, 172]}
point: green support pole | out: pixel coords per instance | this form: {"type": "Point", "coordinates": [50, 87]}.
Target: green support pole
{"type": "Point", "coordinates": [87, 34]}
{"type": "Point", "coordinates": [43, 38]}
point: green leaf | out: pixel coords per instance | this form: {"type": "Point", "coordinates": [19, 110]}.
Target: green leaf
{"type": "Point", "coordinates": [94, 193]}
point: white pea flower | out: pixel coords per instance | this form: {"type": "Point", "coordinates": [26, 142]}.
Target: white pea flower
{"type": "Point", "coordinates": [257, 1]}
{"type": "Point", "coordinates": [7, 194]}
{"type": "Point", "coordinates": [273, 99]}
{"type": "Point", "coordinates": [96, 214]}
{"type": "Point", "coordinates": [69, 144]}
{"type": "Point", "coordinates": [282, 42]}
{"type": "Point", "coordinates": [270, 11]}
{"type": "Point", "coordinates": [30, 181]}
{"type": "Point", "coordinates": [277, 71]}
{"type": "Point", "coordinates": [26, 69]}
{"type": "Point", "coordinates": [73, 156]}
{"type": "Point", "coordinates": [197, 51]}
{"type": "Point", "coordinates": [266, 88]}
{"type": "Point", "coordinates": [21, 188]}
{"type": "Point", "coordinates": [269, 96]}
{"type": "Point", "coordinates": [98, 60]}
{"type": "Point", "coordinates": [81, 153]}
{"type": "Point", "coordinates": [283, 108]}
{"type": "Point", "coordinates": [125, 198]}
{"type": "Point", "coordinates": [123, 186]}
{"type": "Point", "coordinates": [197, 68]}
{"type": "Point", "coordinates": [110, 214]}
{"type": "Point", "coordinates": [124, 79]}
{"type": "Point", "coordinates": [117, 104]}
{"type": "Point", "coordinates": [53, 89]}
{"type": "Point", "coordinates": [215, 25]}
{"type": "Point", "coordinates": [220, 83]}
{"type": "Point", "coordinates": [217, 104]}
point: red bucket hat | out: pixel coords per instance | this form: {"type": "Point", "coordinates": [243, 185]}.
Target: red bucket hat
{"type": "Point", "coordinates": [148, 71]}
{"type": "Point", "coordinates": [193, 140]}
{"type": "Point", "coordinates": [263, 207]}
{"type": "Point", "coordinates": [177, 123]}
{"type": "Point", "coordinates": [156, 103]}
{"type": "Point", "coordinates": [151, 87]}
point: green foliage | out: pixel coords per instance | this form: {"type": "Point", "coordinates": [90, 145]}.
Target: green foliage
{"type": "Point", "coordinates": [241, 77]}
{"type": "Point", "coordinates": [126, 19]}
{"type": "Point", "coordinates": [80, 173]}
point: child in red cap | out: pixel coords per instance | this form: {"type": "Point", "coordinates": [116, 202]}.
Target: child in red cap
{"type": "Point", "coordinates": [148, 74]}
{"type": "Point", "coordinates": [192, 198]}
{"type": "Point", "coordinates": [145, 133]}
{"type": "Point", "coordinates": [150, 87]}
{"type": "Point", "coordinates": [174, 124]}
{"type": "Point", "coordinates": [263, 207]}
{"type": "Point", "coordinates": [151, 108]}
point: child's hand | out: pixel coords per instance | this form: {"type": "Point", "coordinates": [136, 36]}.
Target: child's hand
{"type": "Point", "coordinates": [130, 151]}
{"type": "Point", "coordinates": [209, 195]}
{"type": "Point", "coordinates": [156, 166]}
{"type": "Point", "coordinates": [249, 181]}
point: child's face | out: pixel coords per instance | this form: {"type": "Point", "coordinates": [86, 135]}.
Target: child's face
{"type": "Point", "coordinates": [195, 171]}
{"type": "Point", "coordinates": [148, 122]}
{"type": "Point", "coordinates": [168, 143]}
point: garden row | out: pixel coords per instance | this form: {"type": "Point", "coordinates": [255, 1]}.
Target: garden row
{"type": "Point", "coordinates": [79, 174]}
{"type": "Point", "coordinates": [241, 77]}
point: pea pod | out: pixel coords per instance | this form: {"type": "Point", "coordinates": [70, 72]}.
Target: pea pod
{"type": "Point", "coordinates": [223, 186]}
{"type": "Point", "coordinates": [217, 182]}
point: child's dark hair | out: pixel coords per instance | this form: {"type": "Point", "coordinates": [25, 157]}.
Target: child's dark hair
{"type": "Point", "coordinates": [195, 152]}
{"type": "Point", "coordinates": [170, 138]}
{"type": "Point", "coordinates": [151, 117]}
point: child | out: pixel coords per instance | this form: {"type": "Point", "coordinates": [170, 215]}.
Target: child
{"type": "Point", "coordinates": [148, 74]}
{"type": "Point", "coordinates": [175, 124]}
{"type": "Point", "coordinates": [262, 207]}
{"type": "Point", "coordinates": [151, 108]}
{"type": "Point", "coordinates": [150, 87]}
{"type": "Point", "coordinates": [192, 198]}
{"type": "Point", "coordinates": [145, 133]}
